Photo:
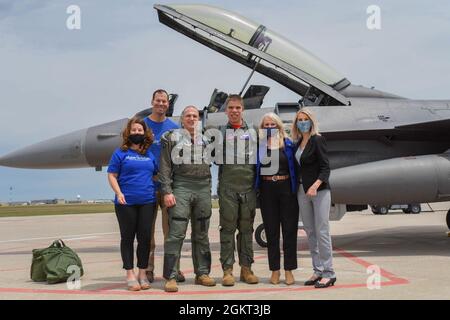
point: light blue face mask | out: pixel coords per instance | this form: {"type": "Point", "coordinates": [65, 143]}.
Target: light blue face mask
{"type": "Point", "coordinates": [304, 126]}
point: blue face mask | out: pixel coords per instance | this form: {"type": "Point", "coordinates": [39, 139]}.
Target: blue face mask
{"type": "Point", "coordinates": [304, 126]}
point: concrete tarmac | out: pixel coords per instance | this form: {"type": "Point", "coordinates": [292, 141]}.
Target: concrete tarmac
{"type": "Point", "coordinates": [411, 253]}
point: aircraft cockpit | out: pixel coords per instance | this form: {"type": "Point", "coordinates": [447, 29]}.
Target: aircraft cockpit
{"type": "Point", "coordinates": [253, 98]}
{"type": "Point", "coordinates": [260, 49]}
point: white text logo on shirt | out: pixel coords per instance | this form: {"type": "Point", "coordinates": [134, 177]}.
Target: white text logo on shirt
{"type": "Point", "coordinates": [137, 158]}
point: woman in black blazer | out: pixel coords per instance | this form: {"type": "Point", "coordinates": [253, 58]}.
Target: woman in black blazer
{"type": "Point", "coordinates": [314, 198]}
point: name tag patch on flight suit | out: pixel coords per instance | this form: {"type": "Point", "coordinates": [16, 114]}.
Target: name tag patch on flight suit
{"type": "Point", "coordinates": [245, 136]}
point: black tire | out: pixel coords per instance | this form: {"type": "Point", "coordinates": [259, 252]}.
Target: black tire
{"type": "Point", "coordinates": [383, 210]}
{"type": "Point", "coordinates": [448, 219]}
{"type": "Point", "coordinates": [415, 208]}
{"type": "Point", "coordinates": [260, 236]}
{"type": "Point", "coordinates": [407, 210]}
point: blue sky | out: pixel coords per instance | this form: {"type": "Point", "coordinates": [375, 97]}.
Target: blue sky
{"type": "Point", "coordinates": [54, 81]}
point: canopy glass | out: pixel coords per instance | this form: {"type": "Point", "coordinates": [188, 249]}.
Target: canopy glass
{"type": "Point", "coordinates": [256, 35]}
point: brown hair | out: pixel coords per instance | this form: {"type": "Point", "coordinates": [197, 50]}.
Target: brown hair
{"type": "Point", "coordinates": [160, 91]}
{"type": "Point", "coordinates": [126, 143]}
{"type": "Point", "coordinates": [235, 97]}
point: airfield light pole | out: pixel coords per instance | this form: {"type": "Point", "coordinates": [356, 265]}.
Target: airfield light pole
{"type": "Point", "coordinates": [10, 194]}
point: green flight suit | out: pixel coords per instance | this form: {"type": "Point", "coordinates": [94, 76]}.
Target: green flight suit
{"type": "Point", "coordinates": [191, 185]}
{"type": "Point", "coordinates": [237, 200]}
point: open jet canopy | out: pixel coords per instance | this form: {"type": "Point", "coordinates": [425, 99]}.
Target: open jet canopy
{"type": "Point", "coordinates": [258, 48]}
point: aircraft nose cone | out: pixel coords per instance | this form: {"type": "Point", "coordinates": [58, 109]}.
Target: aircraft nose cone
{"type": "Point", "coordinates": [65, 151]}
{"type": "Point", "coordinates": [10, 159]}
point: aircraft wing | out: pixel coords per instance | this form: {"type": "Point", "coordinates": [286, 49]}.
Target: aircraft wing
{"type": "Point", "coordinates": [431, 126]}
{"type": "Point", "coordinates": [258, 48]}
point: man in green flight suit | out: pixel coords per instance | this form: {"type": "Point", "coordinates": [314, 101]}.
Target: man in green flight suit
{"type": "Point", "coordinates": [237, 194]}
{"type": "Point", "coordinates": [186, 185]}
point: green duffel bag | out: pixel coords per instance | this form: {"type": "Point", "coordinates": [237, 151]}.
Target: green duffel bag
{"type": "Point", "coordinates": [55, 264]}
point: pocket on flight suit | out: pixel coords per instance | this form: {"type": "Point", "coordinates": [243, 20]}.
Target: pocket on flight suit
{"type": "Point", "coordinates": [248, 211]}
{"type": "Point", "coordinates": [179, 215]}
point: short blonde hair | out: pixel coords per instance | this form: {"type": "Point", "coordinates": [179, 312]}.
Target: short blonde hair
{"type": "Point", "coordinates": [295, 133]}
{"type": "Point", "coordinates": [280, 126]}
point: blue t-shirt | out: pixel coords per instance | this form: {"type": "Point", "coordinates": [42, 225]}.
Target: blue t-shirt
{"type": "Point", "coordinates": [135, 175]}
{"type": "Point", "coordinates": [158, 129]}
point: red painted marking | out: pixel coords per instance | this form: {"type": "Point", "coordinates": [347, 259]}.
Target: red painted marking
{"type": "Point", "coordinates": [111, 289]}
{"type": "Point", "coordinates": [183, 293]}
{"type": "Point", "coordinates": [188, 271]}
{"type": "Point", "coordinates": [386, 274]}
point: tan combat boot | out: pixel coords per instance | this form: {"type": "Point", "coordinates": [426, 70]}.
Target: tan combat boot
{"type": "Point", "coordinates": [228, 279]}
{"type": "Point", "coordinates": [171, 286]}
{"type": "Point", "coordinates": [247, 275]}
{"type": "Point", "coordinates": [205, 280]}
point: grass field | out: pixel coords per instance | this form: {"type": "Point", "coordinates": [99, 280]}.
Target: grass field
{"type": "Point", "coordinates": [59, 209]}
{"type": "Point", "coordinates": [54, 209]}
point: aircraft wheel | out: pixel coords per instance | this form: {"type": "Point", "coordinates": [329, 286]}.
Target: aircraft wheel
{"type": "Point", "coordinates": [374, 209]}
{"type": "Point", "coordinates": [260, 236]}
{"type": "Point", "coordinates": [448, 219]}
{"type": "Point", "coordinates": [415, 208]}
{"type": "Point", "coordinates": [383, 210]}
{"type": "Point", "coordinates": [407, 210]}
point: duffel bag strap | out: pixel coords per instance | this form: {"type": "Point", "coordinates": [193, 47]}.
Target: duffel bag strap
{"type": "Point", "coordinates": [58, 244]}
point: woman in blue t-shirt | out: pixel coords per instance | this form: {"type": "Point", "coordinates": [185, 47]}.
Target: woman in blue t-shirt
{"type": "Point", "coordinates": [130, 174]}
